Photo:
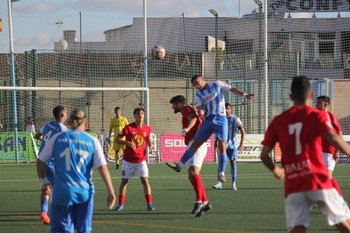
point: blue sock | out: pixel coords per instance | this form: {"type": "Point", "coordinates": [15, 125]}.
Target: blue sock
{"type": "Point", "coordinates": [222, 163]}
{"type": "Point", "coordinates": [44, 205]}
{"type": "Point", "coordinates": [233, 170]}
{"type": "Point", "coordinates": [188, 154]}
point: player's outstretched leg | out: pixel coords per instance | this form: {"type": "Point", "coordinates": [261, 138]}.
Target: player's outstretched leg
{"type": "Point", "coordinates": [174, 166]}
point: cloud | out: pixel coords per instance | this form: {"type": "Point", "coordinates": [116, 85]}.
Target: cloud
{"type": "Point", "coordinates": [160, 8]}
{"type": "Point", "coordinates": [33, 9]}
{"type": "Point", "coordinates": [41, 40]}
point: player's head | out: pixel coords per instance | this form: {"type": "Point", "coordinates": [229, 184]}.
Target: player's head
{"type": "Point", "coordinates": [198, 82]}
{"type": "Point", "coordinates": [228, 108]}
{"type": "Point", "coordinates": [30, 120]}
{"type": "Point", "coordinates": [201, 113]}
{"type": "Point", "coordinates": [139, 114]}
{"type": "Point", "coordinates": [323, 102]}
{"type": "Point", "coordinates": [59, 112]}
{"type": "Point", "coordinates": [77, 119]}
{"type": "Point", "coordinates": [178, 102]}
{"type": "Point", "coordinates": [118, 111]}
{"type": "Point", "coordinates": [301, 90]}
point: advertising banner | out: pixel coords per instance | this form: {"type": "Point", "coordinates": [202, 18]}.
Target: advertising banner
{"type": "Point", "coordinates": [172, 147]}
{"type": "Point", "coordinates": [251, 147]}
{"type": "Point", "coordinates": [27, 147]}
{"type": "Point", "coordinates": [293, 6]}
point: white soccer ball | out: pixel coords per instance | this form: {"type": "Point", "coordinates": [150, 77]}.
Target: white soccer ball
{"type": "Point", "coordinates": [158, 52]}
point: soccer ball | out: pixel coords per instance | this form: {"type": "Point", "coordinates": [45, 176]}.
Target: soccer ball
{"type": "Point", "coordinates": [158, 52]}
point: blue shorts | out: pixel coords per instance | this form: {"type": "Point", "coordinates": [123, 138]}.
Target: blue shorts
{"type": "Point", "coordinates": [213, 123]}
{"type": "Point", "coordinates": [50, 171]}
{"type": "Point", "coordinates": [232, 153]}
{"type": "Point", "coordinates": [68, 218]}
{"type": "Point", "coordinates": [50, 167]}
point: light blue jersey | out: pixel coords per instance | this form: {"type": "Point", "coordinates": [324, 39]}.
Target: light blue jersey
{"type": "Point", "coordinates": [75, 153]}
{"type": "Point", "coordinates": [212, 98]}
{"type": "Point", "coordinates": [234, 123]}
{"type": "Point", "coordinates": [48, 130]}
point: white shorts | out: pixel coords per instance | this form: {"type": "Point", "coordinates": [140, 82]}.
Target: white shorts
{"type": "Point", "coordinates": [128, 169]}
{"type": "Point", "coordinates": [329, 161]}
{"type": "Point", "coordinates": [198, 157]}
{"type": "Point", "coordinates": [329, 202]}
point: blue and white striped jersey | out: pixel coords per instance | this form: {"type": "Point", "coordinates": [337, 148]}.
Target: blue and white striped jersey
{"type": "Point", "coordinates": [75, 153]}
{"type": "Point", "coordinates": [234, 123]}
{"type": "Point", "coordinates": [211, 98]}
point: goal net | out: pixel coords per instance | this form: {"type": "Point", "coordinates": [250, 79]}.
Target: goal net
{"type": "Point", "coordinates": [38, 103]}
{"type": "Point", "coordinates": [231, 49]}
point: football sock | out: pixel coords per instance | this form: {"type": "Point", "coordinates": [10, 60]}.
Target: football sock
{"type": "Point", "coordinates": [222, 163]}
{"type": "Point", "coordinates": [188, 154]}
{"type": "Point", "coordinates": [199, 189]}
{"type": "Point", "coordinates": [233, 170]}
{"type": "Point", "coordinates": [121, 199]}
{"type": "Point", "coordinates": [44, 205]}
{"type": "Point", "coordinates": [148, 198]}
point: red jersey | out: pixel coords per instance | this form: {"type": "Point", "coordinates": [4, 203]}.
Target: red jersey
{"type": "Point", "coordinates": [299, 131]}
{"type": "Point", "coordinates": [138, 136]}
{"type": "Point", "coordinates": [189, 110]}
{"type": "Point", "coordinates": [326, 146]}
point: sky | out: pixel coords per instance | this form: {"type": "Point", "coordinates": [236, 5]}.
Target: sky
{"type": "Point", "coordinates": [37, 24]}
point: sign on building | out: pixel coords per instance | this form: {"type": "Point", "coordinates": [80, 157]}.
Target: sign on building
{"type": "Point", "coordinates": [294, 6]}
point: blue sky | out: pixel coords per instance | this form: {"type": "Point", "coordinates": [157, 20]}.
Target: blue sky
{"type": "Point", "coordinates": [34, 20]}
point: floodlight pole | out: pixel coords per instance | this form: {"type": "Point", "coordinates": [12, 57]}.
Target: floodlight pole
{"type": "Point", "coordinates": [215, 13]}
{"type": "Point", "coordinates": [13, 78]}
{"type": "Point", "coordinates": [145, 62]}
{"type": "Point", "coordinates": [266, 67]}
{"type": "Point", "coordinates": [259, 61]}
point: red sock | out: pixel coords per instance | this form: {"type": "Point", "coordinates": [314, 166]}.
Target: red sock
{"type": "Point", "coordinates": [336, 186]}
{"type": "Point", "coordinates": [121, 199]}
{"type": "Point", "coordinates": [199, 189]}
{"type": "Point", "coordinates": [148, 198]}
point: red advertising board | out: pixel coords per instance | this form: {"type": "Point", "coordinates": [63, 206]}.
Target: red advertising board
{"type": "Point", "coordinates": [172, 147]}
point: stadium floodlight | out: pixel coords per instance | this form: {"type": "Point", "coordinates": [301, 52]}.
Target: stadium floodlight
{"type": "Point", "coordinates": [258, 2]}
{"type": "Point", "coordinates": [214, 12]}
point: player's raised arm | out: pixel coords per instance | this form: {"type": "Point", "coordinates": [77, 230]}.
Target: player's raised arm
{"type": "Point", "coordinates": [241, 93]}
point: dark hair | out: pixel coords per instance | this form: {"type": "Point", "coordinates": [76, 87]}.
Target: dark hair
{"type": "Point", "coordinates": [116, 108]}
{"type": "Point", "coordinates": [300, 88]}
{"type": "Point", "coordinates": [228, 105]}
{"type": "Point", "coordinates": [178, 99]}
{"type": "Point", "coordinates": [324, 98]}
{"type": "Point", "coordinates": [137, 110]}
{"type": "Point", "coordinates": [58, 111]}
{"type": "Point", "coordinates": [195, 77]}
